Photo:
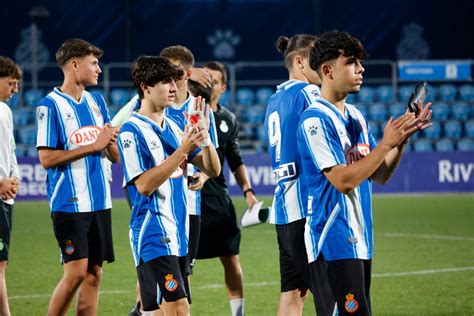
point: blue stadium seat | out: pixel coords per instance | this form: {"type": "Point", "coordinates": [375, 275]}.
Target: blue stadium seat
{"type": "Point", "coordinates": [378, 112]}
{"type": "Point", "coordinates": [254, 114]}
{"type": "Point", "coordinates": [465, 144]}
{"type": "Point", "coordinates": [423, 145]}
{"type": "Point", "coordinates": [245, 96]}
{"type": "Point", "coordinates": [32, 97]}
{"type": "Point", "coordinates": [377, 132]}
{"type": "Point", "coordinates": [384, 93]}
{"type": "Point", "coordinates": [351, 98]}
{"type": "Point", "coordinates": [452, 129]}
{"type": "Point", "coordinates": [97, 91]}
{"type": "Point", "coordinates": [31, 151]}
{"type": "Point", "coordinates": [119, 96]}
{"type": "Point", "coordinates": [22, 117]}
{"type": "Point", "coordinates": [224, 99]}
{"type": "Point", "coordinates": [441, 111]}
{"type": "Point", "coordinates": [263, 95]}
{"type": "Point", "coordinates": [447, 92]}
{"type": "Point", "coordinates": [469, 128]}
{"type": "Point", "coordinates": [21, 150]}
{"type": "Point", "coordinates": [460, 111]}
{"type": "Point", "coordinates": [404, 93]}
{"type": "Point", "coordinates": [27, 135]}
{"type": "Point", "coordinates": [15, 101]}
{"type": "Point", "coordinates": [397, 109]}
{"type": "Point", "coordinates": [262, 135]}
{"type": "Point", "coordinates": [434, 131]}
{"type": "Point", "coordinates": [466, 92]}
{"type": "Point", "coordinates": [444, 145]}
{"type": "Point", "coordinates": [366, 94]}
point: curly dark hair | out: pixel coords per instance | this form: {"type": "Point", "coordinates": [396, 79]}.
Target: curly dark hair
{"type": "Point", "coordinates": [331, 45]}
{"type": "Point", "coordinates": [76, 48]}
{"type": "Point", "coordinates": [153, 69]}
{"type": "Point", "coordinates": [297, 44]}
{"type": "Point", "coordinates": [8, 68]}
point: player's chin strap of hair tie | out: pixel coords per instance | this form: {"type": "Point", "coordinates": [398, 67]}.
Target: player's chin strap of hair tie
{"type": "Point", "coordinates": [206, 143]}
{"type": "Point", "coordinates": [247, 191]}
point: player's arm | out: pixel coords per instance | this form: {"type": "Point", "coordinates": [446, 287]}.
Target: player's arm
{"type": "Point", "coordinates": [50, 158]}
{"type": "Point", "coordinates": [241, 177]}
{"type": "Point", "coordinates": [207, 160]}
{"type": "Point", "coordinates": [345, 178]}
{"type": "Point", "coordinates": [111, 151]}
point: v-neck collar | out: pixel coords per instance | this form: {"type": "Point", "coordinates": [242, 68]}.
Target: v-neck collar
{"type": "Point", "coordinates": [335, 109]}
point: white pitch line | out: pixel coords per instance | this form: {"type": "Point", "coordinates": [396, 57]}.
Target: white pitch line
{"type": "Point", "coordinates": [260, 284]}
{"type": "Point", "coordinates": [429, 236]}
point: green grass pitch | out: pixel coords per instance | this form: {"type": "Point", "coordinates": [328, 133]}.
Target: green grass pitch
{"type": "Point", "coordinates": [423, 262]}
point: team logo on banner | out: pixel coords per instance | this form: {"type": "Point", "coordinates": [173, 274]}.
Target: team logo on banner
{"type": "Point", "coordinates": [171, 284]}
{"type": "Point", "coordinates": [69, 248]}
{"type": "Point", "coordinates": [351, 305]}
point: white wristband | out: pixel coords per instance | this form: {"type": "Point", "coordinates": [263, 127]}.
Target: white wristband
{"type": "Point", "coordinates": [206, 143]}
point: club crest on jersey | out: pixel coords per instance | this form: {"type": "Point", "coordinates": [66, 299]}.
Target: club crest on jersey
{"type": "Point", "coordinates": [85, 135]}
{"type": "Point", "coordinates": [170, 284]}
{"type": "Point", "coordinates": [351, 305]}
{"type": "Point", "coordinates": [224, 127]}
{"type": "Point", "coordinates": [357, 152]}
{"type": "Point", "coordinates": [96, 110]}
{"type": "Point", "coordinates": [69, 248]}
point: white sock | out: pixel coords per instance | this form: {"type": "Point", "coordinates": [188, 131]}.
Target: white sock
{"type": "Point", "coordinates": [237, 306]}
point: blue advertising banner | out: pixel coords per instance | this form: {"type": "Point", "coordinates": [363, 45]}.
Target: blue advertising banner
{"type": "Point", "coordinates": [417, 173]}
{"type": "Point", "coordinates": [434, 70]}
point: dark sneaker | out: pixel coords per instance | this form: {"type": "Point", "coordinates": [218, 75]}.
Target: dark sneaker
{"type": "Point", "coordinates": [135, 311]}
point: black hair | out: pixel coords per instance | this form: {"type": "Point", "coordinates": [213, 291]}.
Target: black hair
{"type": "Point", "coordinates": [76, 48]}
{"type": "Point", "coordinates": [218, 66]}
{"type": "Point", "coordinates": [331, 45]}
{"type": "Point", "coordinates": [153, 69]}
{"type": "Point", "coordinates": [198, 90]}
{"type": "Point", "coordinates": [297, 44]}
{"type": "Point", "coordinates": [8, 68]}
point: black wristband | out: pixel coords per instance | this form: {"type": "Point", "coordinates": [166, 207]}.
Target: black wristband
{"type": "Point", "coordinates": [249, 190]}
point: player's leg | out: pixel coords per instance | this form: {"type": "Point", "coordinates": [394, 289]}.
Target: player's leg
{"type": "Point", "coordinates": [234, 282]}
{"type": "Point", "coordinates": [323, 295]}
{"type": "Point", "coordinates": [294, 268]}
{"type": "Point", "coordinates": [349, 280]}
{"type": "Point", "coordinates": [88, 294]}
{"type": "Point", "coordinates": [194, 233]}
{"type": "Point", "coordinates": [5, 233]}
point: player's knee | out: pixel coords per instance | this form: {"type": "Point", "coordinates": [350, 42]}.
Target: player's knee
{"type": "Point", "coordinates": [182, 307]}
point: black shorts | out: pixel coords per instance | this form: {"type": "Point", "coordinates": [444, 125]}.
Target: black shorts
{"type": "Point", "coordinates": [294, 267]}
{"type": "Point", "coordinates": [350, 283]}
{"type": "Point", "coordinates": [6, 215]}
{"type": "Point", "coordinates": [193, 243]}
{"type": "Point", "coordinates": [220, 235]}
{"type": "Point", "coordinates": [168, 273]}
{"type": "Point", "coordinates": [84, 235]}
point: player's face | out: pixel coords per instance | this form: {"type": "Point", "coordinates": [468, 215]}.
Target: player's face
{"type": "Point", "coordinates": [163, 94]}
{"type": "Point", "coordinates": [88, 70]}
{"type": "Point", "coordinates": [347, 74]}
{"type": "Point", "coordinates": [8, 87]}
{"type": "Point", "coordinates": [218, 87]}
{"type": "Point", "coordinates": [181, 84]}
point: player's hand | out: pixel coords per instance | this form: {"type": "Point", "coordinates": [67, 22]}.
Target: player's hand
{"type": "Point", "coordinates": [107, 136]}
{"type": "Point", "coordinates": [9, 188]}
{"type": "Point", "coordinates": [251, 200]}
{"type": "Point", "coordinates": [201, 76]}
{"type": "Point", "coordinates": [398, 130]}
{"type": "Point", "coordinates": [198, 181]}
{"type": "Point", "coordinates": [191, 140]}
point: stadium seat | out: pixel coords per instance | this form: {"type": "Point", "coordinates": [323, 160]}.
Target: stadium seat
{"type": "Point", "coordinates": [384, 93]}
{"type": "Point", "coordinates": [469, 128]}
{"type": "Point", "coordinates": [366, 94]}
{"type": "Point", "coordinates": [444, 145]}
{"type": "Point", "coordinates": [119, 97]}
{"type": "Point", "coordinates": [27, 135]}
{"type": "Point", "coordinates": [97, 91]}
{"type": "Point", "coordinates": [441, 111]}
{"type": "Point", "coordinates": [263, 95]}
{"type": "Point", "coordinates": [404, 93]}
{"type": "Point", "coordinates": [21, 150]}
{"type": "Point", "coordinates": [254, 115]}
{"type": "Point", "coordinates": [422, 145]}
{"type": "Point", "coordinates": [434, 131]}
{"type": "Point", "coordinates": [245, 96]}
{"type": "Point", "coordinates": [31, 151]}
{"type": "Point", "coordinates": [351, 98]}
{"type": "Point", "coordinates": [362, 107]}
{"type": "Point", "coordinates": [465, 144]}
{"type": "Point", "coordinates": [378, 112]}
{"type": "Point", "coordinates": [224, 99]}
{"type": "Point", "coordinates": [32, 97]}
{"type": "Point", "coordinates": [460, 111]}
{"type": "Point", "coordinates": [447, 92]}
{"type": "Point", "coordinates": [376, 130]}
{"type": "Point", "coordinates": [262, 135]}
{"type": "Point", "coordinates": [466, 92]}
{"type": "Point", "coordinates": [397, 109]}
{"type": "Point", "coordinates": [452, 129]}
{"type": "Point", "coordinates": [22, 117]}
{"type": "Point", "coordinates": [15, 101]}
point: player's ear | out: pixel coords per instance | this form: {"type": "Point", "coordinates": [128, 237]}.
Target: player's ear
{"type": "Point", "coordinates": [298, 61]}
{"type": "Point", "coordinates": [326, 70]}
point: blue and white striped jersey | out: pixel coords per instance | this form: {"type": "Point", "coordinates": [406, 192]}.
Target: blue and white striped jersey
{"type": "Point", "coordinates": [339, 225]}
{"type": "Point", "coordinates": [194, 197]}
{"type": "Point", "coordinates": [281, 122]}
{"type": "Point", "coordinates": [65, 124]}
{"type": "Point", "coordinates": [159, 222]}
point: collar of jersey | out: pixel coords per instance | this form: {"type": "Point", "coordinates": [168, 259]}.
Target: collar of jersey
{"type": "Point", "coordinates": [146, 121]}
{"type": "Point", "coordinates": [67, 96]}
{"type": "Point", "coordinates": [334, 109]}
{"type": "Point", "coordinates": [289, 82]}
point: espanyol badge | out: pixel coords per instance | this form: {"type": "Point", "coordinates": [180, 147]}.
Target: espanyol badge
{"type": "Point", "coordinates": [224, 127]}
{"type": "Point", "coordinates": [351, 305]}
{"type": "Point", "coordinates": [170, 284]}
{"type": "Point", "coordinates": [1, 244]}
{"type": "Point", "coordinates": [69, 248]}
